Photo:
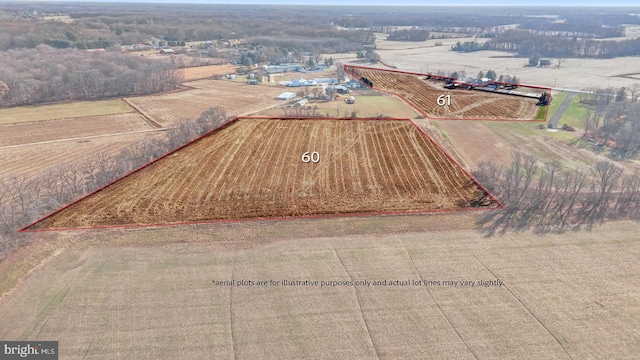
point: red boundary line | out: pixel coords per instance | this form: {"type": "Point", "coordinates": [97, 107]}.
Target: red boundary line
{"type": "Point", "coordinates": [444, 77]}
{"type": "Point", "coordinates": [318, 216]}
{"type": "Point", "coordinates": [500, 205]}
{"type": "Point", "coordinates": [24, 229]}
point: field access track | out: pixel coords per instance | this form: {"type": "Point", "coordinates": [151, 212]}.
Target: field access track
{"type": "Point", "coordinates": [253, 168]}
{"type": "Point", "coordinates": [423, 95]}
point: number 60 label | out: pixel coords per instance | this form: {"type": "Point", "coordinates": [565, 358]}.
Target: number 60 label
{"type": "Point", "coordinates": [314, 157]}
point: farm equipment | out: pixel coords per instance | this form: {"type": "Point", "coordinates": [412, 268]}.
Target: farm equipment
{"type": "Point", "coordinates": [544, 100]}
{"type": "Point", "coordinates": [366, 81]}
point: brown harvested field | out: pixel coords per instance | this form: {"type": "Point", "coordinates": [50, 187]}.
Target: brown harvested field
{"type": "Point", "coordinates": [234, 97]}
{"type": "Point", "coordinates": [563, 296]}
{"type": "Point", "coordinates": [253, 168]}
{"type": "Point", "coordinates": [203, 72]}
{"type": "Point", "coordinates": [465, 104]}
{"type": "Point", "coordinates": [62, 110]}
{"type": "Point", "coordinates": [59, 129]}
{"type": "Point", "coordinates": [33, 160]}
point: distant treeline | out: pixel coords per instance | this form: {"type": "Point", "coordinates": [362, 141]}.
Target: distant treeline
{"type": "Point", "coordinates": [46, 74]}
{"type": "Point", "coordinates": [528, 44]}
{"type": "Point", "coordinates": [413, 34]}
{"type": "Point", "coordinates": [104, 25]}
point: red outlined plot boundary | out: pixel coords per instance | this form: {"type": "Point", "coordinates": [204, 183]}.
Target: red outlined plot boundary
{"type": "Point", "coordinates": [263, 218]}
{"type": "Point", "coordinates": [433, 76]}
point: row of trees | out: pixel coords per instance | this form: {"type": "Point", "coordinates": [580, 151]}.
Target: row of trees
{"type": "Point", "coordinates": [45, 74]}
{"type": "Point", "coordinates": [526, 44]}
{"type": "Point", "coordinates": [470, 46]}
{"type": "Point", "coordinates": [26, 199]}
{"type": "Point", "coordinates": [490, 74]}
{"type": "Point", "coordinates": [413, 34]}
{"type": "Point", "coordinates": [550, 198]}
{"type": "Point", "coordinates": [272, 48]}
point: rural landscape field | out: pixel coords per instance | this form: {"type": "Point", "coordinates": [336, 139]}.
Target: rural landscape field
{"type": "Point", "coordinates": [253, 168]}
{"type": "Point", "coordinates": [423, 94]}
{"type": "Point", "coordinates": [203, 181]}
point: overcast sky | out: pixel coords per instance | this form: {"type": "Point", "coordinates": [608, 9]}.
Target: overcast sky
{"type": "Point", "coordinates": [537, 3]}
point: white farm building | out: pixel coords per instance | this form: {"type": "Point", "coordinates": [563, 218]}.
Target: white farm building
{"type": "Point", "coordinates": [286, 96]}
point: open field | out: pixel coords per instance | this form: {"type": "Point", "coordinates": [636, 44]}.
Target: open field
{"type": "Point", "coordinates": [366, 106]}
{"type": "Point", "coordinates": [464, 104]}
{"type": "Point", "coordinates": [233, 97]}
{"type": "Point", "coordinates": [33, 160]}
{"type": "Point", "coordinates": [203, 72]}
{"type": "Point", "coordinates": [252, 168]}
{"type": "Point", "coordinates": [562, 296]}
{"type": "Point", "coordinates": [479, 141]}
{"type": "Point", "coordinates": [41, 131]}
{"type": "Point", "coordinates": [64, 110]}
{"type": "Point", "coordinates": [573, 73]}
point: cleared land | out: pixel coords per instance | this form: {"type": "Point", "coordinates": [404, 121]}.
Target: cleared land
{"type": "Point", "coordinates": [252, 168]}
{"type": "Point", "coordinates": [465, 104]}
{"type": "Point", "coordinates": [71, 128]}
{"type": "Point", "coordinates": [168, 109]}
{"type": "Point", "coordinates": [572, 74]}
{"type": "Point", "coordinates": [565, 296]}
{"type": "Point", "coordinates": [64, 110]}
{"type": "Point", "coordinates": [203, 72]}
{"type": "Point", "coordinates": [33, 160]}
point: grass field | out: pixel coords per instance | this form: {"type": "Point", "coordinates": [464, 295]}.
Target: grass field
{"type": "Point", "coordinates": [72, 128]}
{"type": "Point", "coordinates": [366, 106]}
{"type": "Point", "coordinates": [575, 114]}
{"type": "Point", "coordinates": [203, 72]}
{"type": "Point", "coordinates": [39, 159]}
{"type": "Point", "coordinates": [562, 296]}
{"type": "Point", "coordinates": [253, 168]}
{"type": "Point", "coordinates": [60, 111]}
{"type": "Point", "coordinates": [235, 98]}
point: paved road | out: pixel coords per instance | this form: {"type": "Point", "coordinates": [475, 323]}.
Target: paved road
{"type": "Point", "coordinates": [553, 123]}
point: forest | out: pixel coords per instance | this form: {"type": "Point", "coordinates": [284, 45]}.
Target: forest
{"type": "Point", "coordinates": [45, 74]}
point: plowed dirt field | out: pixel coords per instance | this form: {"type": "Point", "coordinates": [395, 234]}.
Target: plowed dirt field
{"type": "Point", "coordinates": [464, 104]}
{"type": "Point", "coordinates": [253, 168]}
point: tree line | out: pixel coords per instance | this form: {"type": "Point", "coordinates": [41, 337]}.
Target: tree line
{"type": "Point", "coordinates": [527, 43]}
{"type": "Point", "coordinates": [413, 34]}
{"type": "Point", "coordinates": [549, 198]}
{"type": "Point", "coordinates": [26, 199]}
{"type": "Point", "coordinates": [45, 74]}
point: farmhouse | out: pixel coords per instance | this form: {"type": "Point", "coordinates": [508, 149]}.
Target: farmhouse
{"type": "Point", "coordinates": [167, 51]}
{"type": "Point", "coordinates": [340, 89]}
